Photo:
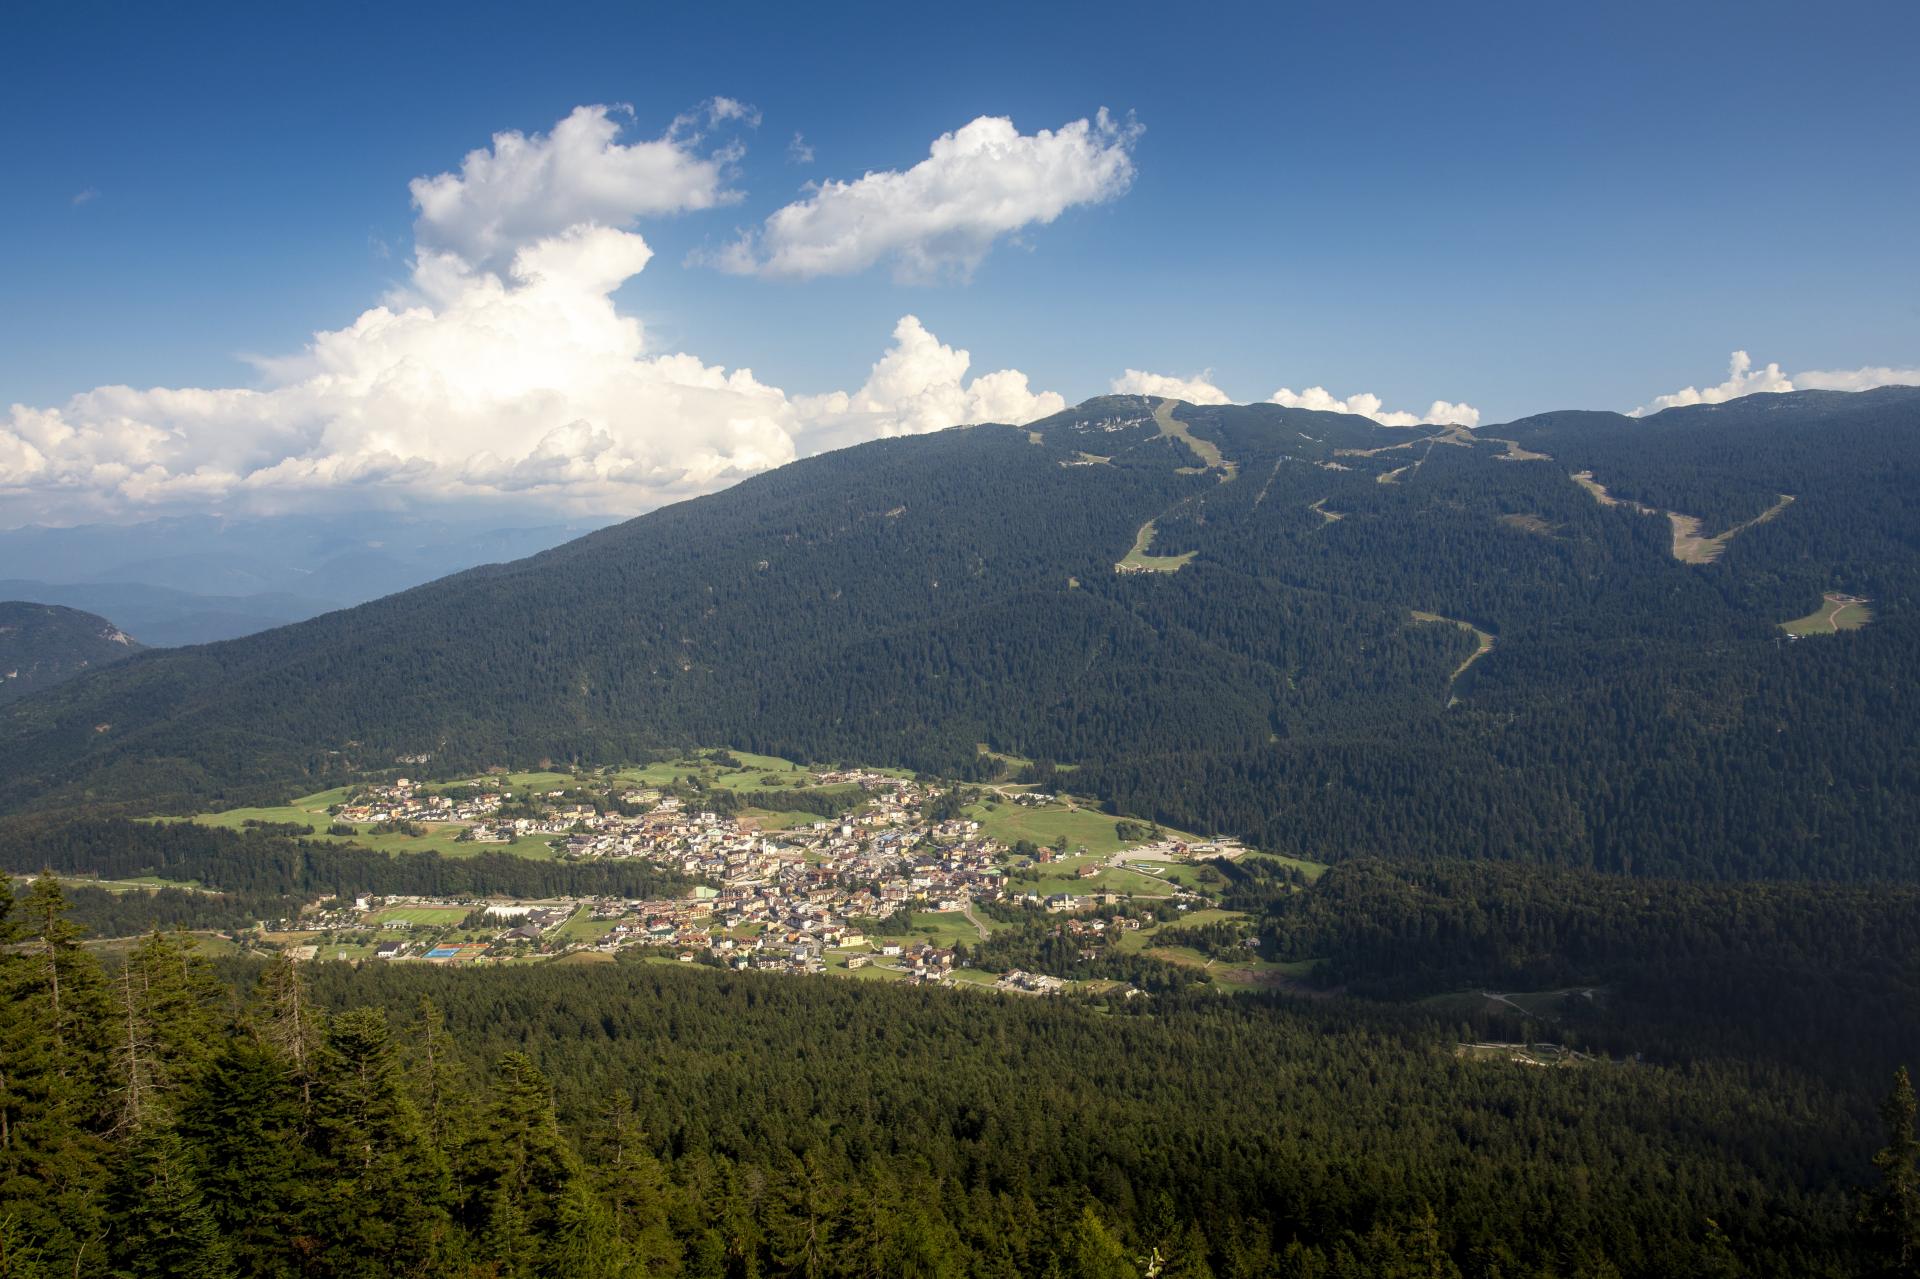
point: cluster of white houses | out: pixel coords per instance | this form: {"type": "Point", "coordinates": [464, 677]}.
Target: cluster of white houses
{"type": "Point", "coordinates": [864, 864]}
{"type": "Point", "coordinates": [755, 930]}
{"type": "Point", "coordinates": [788, 899]}
{"type": "Point", "coordinates": [404, 802]}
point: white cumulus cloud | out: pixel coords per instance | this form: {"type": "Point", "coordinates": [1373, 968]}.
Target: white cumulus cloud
{"type": "Point", "coordinates": [1744, 379]}
{"type": "Point", "coordinates": [1200, 389]}
{"type": "Point", "coordinates": [921, 385]}
{"type": "Point", "coordinates": [940, 217]}
{"type": "Point", "coordinates": [1194, 390]}
{"type": "Point", "coordinates": [522, 188]}
{"type": "Point", "coordinates": [719, 111]}
{"type": "Point", "coordinates": [1367, 404]}
{"type": "Point", "coordinates": [1861, 379]}
{"type": "Point", "coordinates": [506, 373]}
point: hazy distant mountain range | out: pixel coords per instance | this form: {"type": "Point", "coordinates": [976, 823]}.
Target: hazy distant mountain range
{"type": "Point", "coordinates": [196, 579]}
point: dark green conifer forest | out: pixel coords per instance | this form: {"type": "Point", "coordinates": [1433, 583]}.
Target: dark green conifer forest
{"type": "Point", "coordinates": [163, 1116]}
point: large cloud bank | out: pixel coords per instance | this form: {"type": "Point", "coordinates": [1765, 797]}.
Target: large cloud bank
{"type": "Point", "coordinates": [504, 367]}
{"type": "Point", "coordinates": [1744, 379]}
{"type": "Point", "coordinates": [1200, 389]}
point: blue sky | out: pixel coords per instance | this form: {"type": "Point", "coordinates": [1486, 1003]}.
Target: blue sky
{"type": "Point", "coordinates": [1523, 207]}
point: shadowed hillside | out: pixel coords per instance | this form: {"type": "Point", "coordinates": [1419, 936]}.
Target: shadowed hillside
{"type": "Point", "coordinates": [44, 644]}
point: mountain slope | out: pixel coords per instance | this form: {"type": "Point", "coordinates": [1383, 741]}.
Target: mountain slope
{"type": "Point", "coordinates": [44, 644]}
{"type": "Point", "coordinates": [1260, 664]}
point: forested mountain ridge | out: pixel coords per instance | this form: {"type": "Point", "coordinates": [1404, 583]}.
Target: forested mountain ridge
{"type": "Point", "coordinates": [1271, 669]}
{"type": "Point", "coordinates": [44, 644]}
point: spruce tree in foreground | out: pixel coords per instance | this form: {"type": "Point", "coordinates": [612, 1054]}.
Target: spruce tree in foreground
{"type": "Point", "coordinates": [162, 1226]}
{"type": "Point", "coordinates": [1891, 1212]}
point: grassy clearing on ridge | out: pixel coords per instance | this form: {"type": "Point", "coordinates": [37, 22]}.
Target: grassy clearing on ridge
{"type": "Point", "coordinates": [1837, 612]}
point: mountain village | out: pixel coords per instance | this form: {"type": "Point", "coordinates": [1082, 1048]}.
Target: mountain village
{"type": "Point", "coordinates": [899, 881]}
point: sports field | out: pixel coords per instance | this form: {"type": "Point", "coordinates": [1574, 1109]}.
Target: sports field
{"type": "Point", "coordinates": [421, 916]}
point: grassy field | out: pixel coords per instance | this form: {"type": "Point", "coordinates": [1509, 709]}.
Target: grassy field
{"type": "Point", "coordinates": [1257, 974]}
{"type": "Point", "coordinates": [1185, 956]}
{"type": "Point", "coordinates": [209, 944]}
{"type": "Point", "coordinates": [1138, 561]}
{"type": "Point", "coordinates": [583, 927]}
{"type": "Point", "coordinates": [544, 780]}
{"type": "Point", "coordinates": [154, 881]}
{"type": "Point", "coordinates": [319, 801]}
{"type": "Point", "coordinates": [583, 957]}
{"type": "Point", "coordinates": [757, 772]}
{"type": "Point", "coordinates": [1529, 524]}
{"type": "Point", "coordinates": [759, 767]}
{"type": "Point", "coordinates": [1184, 874]}
{"type": "Point", "coordinates": [139, 884]}
{"type": "Point", "coordinates": [1311, 869]}
{"type": "Point", "coordinates": [236, 818]}
{"type": "Point", "coordinates": [1012, 763]}
{"type": "Point", "coordinates": [1544, 1004]}
{"type": "Point", "coordinates": [1063, 877]}
{"type": "Point", "coordinates": [1130, 942]}
{"type": "Point", "coordinates": [669, 772]}
{"type": "Point", "coordinates": [424, 916]}
{"type": "Point", "coordinates": [780, 819]}
{"type": "Point", "coordinates": [349, 950]}
{"type": "Point", "coordinates": [1130, 881]}
{"type": "Point", "coordinates": [662, 774]}
{"type": "Point", "coordinates": [1836, 613]}
{"type": "Point", "coordinates": [441, 837]}
{"type": "Point", "coordinates": [942, 928]}
{"type": "Point", "coordinates": [748, 777]}
{"type": "Point", "coordinates": [1009, 822]}
{"type": "Point", "coordinates": [311, 811]}
{"type": "Point", "coordinates": [1483, 641]}
{"type": "Point", "coordinates": [837, 967]}
{"type": "Point", "coordinates": [1236, 973]}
